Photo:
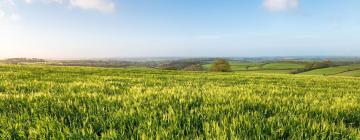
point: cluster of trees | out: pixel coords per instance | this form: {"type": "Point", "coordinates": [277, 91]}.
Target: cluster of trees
{"type": "Point", "coordinates": [315, 65]}
{"type": "Point", "coordinates": [182, 65]}
{"type": "Point", "coordinates": [219, 65]}
{"type": "Point", "coordinates": [24, 60]}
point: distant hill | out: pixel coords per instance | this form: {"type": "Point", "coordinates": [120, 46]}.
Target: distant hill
{"type": "Point", "coordinates": [23, 60]}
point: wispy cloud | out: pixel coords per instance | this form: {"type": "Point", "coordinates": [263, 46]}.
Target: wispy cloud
{"type": "Point", "coordinates": [106, 6]}
{"type": "Point", "coordinates": [99, 5]}
{"type": "Point", "coordinates": [45, 1]}
{"type": "Point", "coordinates": [7, 12]}
{"type": "Point", "coordinates": [280, 5]}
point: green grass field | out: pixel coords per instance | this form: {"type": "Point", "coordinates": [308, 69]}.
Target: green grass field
{"type": "Point", "coordinates": [47, 102]}
{"type": "Point", "coordinates": [207, 66]}
{"type": "Point", "coordinates": [355, 73]}
{"type": "Point", "coordinates": [240, 66]}
{"type": "Point", "coordinates": [333, 70]}
{"type": "Point", "coordinates": [271, 71]}
{"type": "Point", "coordinates": [327, 71]}
{"type": "Point", "coordinates": [279, 66]}
{"type": "Point", "coordinates": [253, 67]}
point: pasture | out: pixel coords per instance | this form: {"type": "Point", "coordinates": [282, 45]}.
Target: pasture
{"type": "Point", "coordinates": [339, 70]}
{"type": "Point", "coordinates": [283, 66]}
{"type": "Point", "coordinates": [354, 73]}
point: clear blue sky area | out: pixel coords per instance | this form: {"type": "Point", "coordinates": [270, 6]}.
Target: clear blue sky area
{"type": "Point", "coordinates": [188, 28]}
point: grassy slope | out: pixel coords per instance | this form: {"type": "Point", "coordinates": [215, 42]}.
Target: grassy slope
{"type": "Point", "coordinates": [355, 73]}
{"type": "Point", "coordinates": [287, 68]}
{"type": "Point", "coordinates": [262, 67]}
{"type": "Point", "coordinates": [280, 68]}
{"type": "Point", "coordinates": [79, 102]}
{"type": "Point", "coordinates": [332, 70]}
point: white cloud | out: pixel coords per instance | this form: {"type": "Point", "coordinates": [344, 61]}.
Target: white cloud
{"type": "Point", "coordinates": [106, 6]}
{"type": "Point", "coordinates": [15, 17]}
{"type": "Point", "coordinates": [28, 1]}
{"type": "Point", "coordinates": [44, 1]}
{"type": "Point", "coordinates": [2, 14]}
{"type": "Point", "coordinates": [99, 5]}
{"type": "Point", "coordinates": [10, 2]}
{"type": "Point", "coordinates": [7, 12]}
{"type": "Point", "coordinates": [280, 5]}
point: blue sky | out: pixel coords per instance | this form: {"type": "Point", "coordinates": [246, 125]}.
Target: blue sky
{"type": "Point", "coordinates": [187, 28]}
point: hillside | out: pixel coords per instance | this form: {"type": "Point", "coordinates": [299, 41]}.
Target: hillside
{"type": "Point", "coordinates": [354, 73]}
{"type": "Point", "coordinates": [264, 67]}
{"type": "Point", "coordinates": [337, 70]}
{"type": "Point", "coordinates": [52, 102]}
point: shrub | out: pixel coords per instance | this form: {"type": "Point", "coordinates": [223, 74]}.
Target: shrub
{"type": "Point", "coordinates": [220, 65]}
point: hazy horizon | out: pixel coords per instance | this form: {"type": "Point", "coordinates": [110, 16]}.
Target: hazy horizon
{"type": "Point", "coordinates": [81, 29]}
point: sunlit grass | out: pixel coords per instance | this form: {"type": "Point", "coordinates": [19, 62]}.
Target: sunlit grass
{"type": "Point", "coordinates": [43, 102]}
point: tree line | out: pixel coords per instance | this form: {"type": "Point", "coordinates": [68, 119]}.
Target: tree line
{"type": "Point", "coordinates": [219, 65]}
{"type": "Point", "coordinates": [315, 65]}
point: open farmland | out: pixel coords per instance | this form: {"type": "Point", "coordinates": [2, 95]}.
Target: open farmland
{"type": "Point", "coordinates": [339, 70]}
{"type": "Point", "coordinates": [241, 66]}
{"type": "Point", "coordinates": [354, 73]}
{"type": "Point", "coordinates": [262, 67]}
{"type": "Point", "coordinates": [283, 66]}
{"type": "Point", "coordinates": [327, 71]}
{"type": "Point", "coordinates": [80, 102]}
{"type": "Point", "coordinates": [271, 71]}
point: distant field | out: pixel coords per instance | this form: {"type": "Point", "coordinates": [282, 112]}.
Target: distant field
{"type": "Point", "coordinates": [288, 68]}
{"type": "Point", "coordinates": [272, 71]}
{"type": "Point", "coordinates": [332, 70]}
{"type": "Point", "coordinates": [236, 66]}
{"type": "Point", "coordinates": [207, 66]}
{"type": "Point", "coordinates": [283, 66]}
{"type": "Point", "coordinates": [240, 66]}
{"type": "Point", "coordinates": [327, 71]}
{"type": "Point", "coordinates": [355, 73]}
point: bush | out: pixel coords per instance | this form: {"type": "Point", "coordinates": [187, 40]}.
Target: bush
{"type": "Point", "coordinates": [180, 65]}
{"type": "Point", "coordinates": [220, 65]}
